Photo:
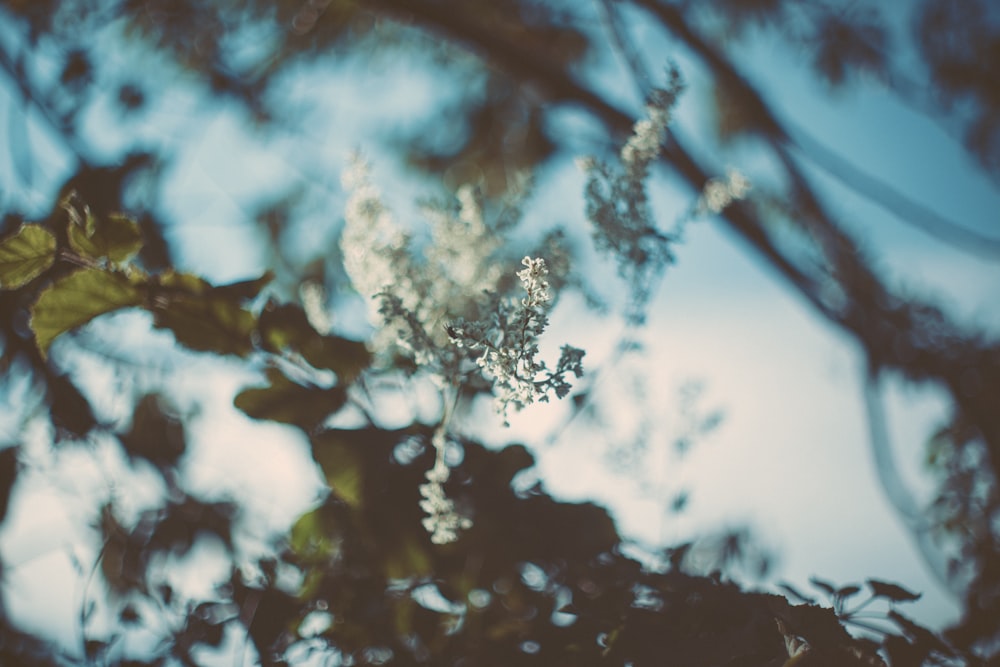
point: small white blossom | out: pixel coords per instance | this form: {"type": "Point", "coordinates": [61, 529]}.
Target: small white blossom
{"type": "Point", "coordinates": [720, 193]}
{"type": "Point", "coordinates": [442, 521]}
{"type": "Point", "coordinates": [618, 206]}
{"type": "Point", "coordinates": [507, 353]}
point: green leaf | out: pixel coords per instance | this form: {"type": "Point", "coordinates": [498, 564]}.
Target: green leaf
{"type": "Point", "coordinates": [343, 466]}
{"type": "Point", "coordinates": [290, 403]}
{"type": "Point", "coordinates": [311, 541]}
{"type": "Point", "coordinates": [26, 255]}
{"type": "Point", "coordinates": [286, 328]}
{"type": "Point", "coordinates": [116, 238]}
{"type": "Point", "coordinates": [203, 317]}
{"type": "Point", "coordinates": [78, 298]}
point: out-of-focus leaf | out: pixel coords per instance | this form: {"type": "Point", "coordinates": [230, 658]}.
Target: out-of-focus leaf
{"type": "Point", "coordinates": [8, 475]}
{"type": "Point", "coordinates": [78, 298]}
{"type": "Point", "coordinates": [245, 289]}
{"type": "Point", "coordinates": [70, 410]}
{"type": "Point", "coordinates": [795, 593]}
{"type": "Point", "coordinates": [408, 559]}
{"type": "Point", "coordinates": [116, 238]}
{"type": "Point", "coordinates": [844, 45]}
{"type": "Point", "coordinates": [739, 15]}
{"type": "Point", "coordinates": [26, 255]}
{"type": "Point", "coordinates": [122, 564]}
{"type": "Point", "coordinates": [924, 641]}
{"type": "Point", "coordinates": [77, 70]}
{"type": "Point", "coordinates": [129, 615]}
{"type": "Point", "coordinates": [824, 586]}
{"type": "Point", "coordinates": [184, 521]}
{"type": "Point", "coordinates": [154, 435]}
{"type": "Point", "coordinates": [343, 467]}
{"type": "Point", "coordinates": [845, 592]}
{"type": "Point", "coordinates": [275, 613]}
{"type": "Point", "coordinates": [203, 317]}
{"type": "Point", "coordinates": [286, 328]}
{"type": "Point", "coordinates": [290, 403]}
{"type": "Point", "coordinates": [308, 538]}
{"type": "Point", "coordinates": [95, 649]}
{"type": "Point", "coordinates": [891, 592]}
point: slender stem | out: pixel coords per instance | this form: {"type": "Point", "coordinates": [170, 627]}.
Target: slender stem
{"type": "Point", "coordinates": [895, 489]}
{"type": "Point", "coordinates": [623, 45]}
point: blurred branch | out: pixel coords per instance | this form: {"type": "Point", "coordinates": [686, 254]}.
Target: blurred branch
{"type": "Point", "coordinates": [894, 486]}
{"type": "Point", "coordinates": [623, 45]}
{"type": "Point", "coordinates": [777, 133]}
{"type": "Point", "coordinates": [905, 209]}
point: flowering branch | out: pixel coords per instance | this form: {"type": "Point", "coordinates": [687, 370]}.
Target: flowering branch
{"type": "Point", "coordinates": [509, 347]}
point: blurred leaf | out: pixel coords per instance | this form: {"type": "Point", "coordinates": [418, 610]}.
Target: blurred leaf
{"type": "Point", "coordinates": [8, 475]}
{"type": "Point", "coordinates": [824, 586]}
{"type": "Point", "coordinates": [408, 559]}
{"type": "Point", "coordinates": [183, 521]}
{"type": "Point", "coordinates": [679, 502]}
{"type": "Point", "coordinates": [844, 45]}
{"type": "Point", "coordinates": [116, 238]}
{"type": "Point", "coordinates": [122, 563]}
{"type": "Point", "coordinates": [308, 538]}
{"type": "Point", "coordinates": [290, 403]}
{"type": "Point", "coordinates": [343, 467]}
{"type": "Point", "coordinates": [924, 641]}
{"type": "Point", "coordinates": [154, 435]}
{"type": "Point", "coordinates": [738, 15]}
{"type": "Point", "coordinates": [26, 255]}
{"type": "Point", "coordinates": [77, 70]}
{"type": "Point", "coordinates": [275, 611]}
{"type": "Point", "coordinates": [131, 97]}
{"type": "Point", "coordinates": [846, 592]}
{"type": "Point", "coordinates": [203, 317]}
{"type": "Point", "coordinates": [245, 289]}
{"type": "Point", "coordinates": [892, 592]}
{"type": "Point", "coordinates": [76, 299]}
{"type": "Point", "coordinates": [286, 328]}
{"type": "Point", "coordinates": [69, 408]}
{"type": "Point", "coordinates": [129, 615]}
{"type": "Point", "coordinates": [794, 593]}
{"type": "Point", "coordinates": [94, 649]}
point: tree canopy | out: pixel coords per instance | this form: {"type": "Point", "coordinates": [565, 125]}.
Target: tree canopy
{"type": "Point", "coordinates": [378, 330]}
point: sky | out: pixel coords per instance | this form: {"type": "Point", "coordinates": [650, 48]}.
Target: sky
{"type": "Point", "coordinates": [788, 385]}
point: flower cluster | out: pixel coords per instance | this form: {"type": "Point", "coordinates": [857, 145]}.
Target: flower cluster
{"type": "Point", "coordinates": [442, 521]}
{"type": "Point", "coordinates": [413, 289]}
{"type": "Point", "coordinates": [456, 276]}
{"type": "Point", "coordinates": [618, 207]}
{"type": "Point", "coordinates": [508, 345]}
{"type": "Point", "coordinates": [720, 193]}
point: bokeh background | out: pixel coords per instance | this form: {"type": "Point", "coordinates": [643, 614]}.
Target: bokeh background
{"type": "Point", "coordinates": [738, 415]}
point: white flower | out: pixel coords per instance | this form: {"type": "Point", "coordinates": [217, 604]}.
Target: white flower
{"type": "Point", "coordinates": [618, 206]}
{"type": "Point", "coordinates": [439, 305]}
{"type": "Point", "coordinates": [442, 521]}
{"type": "Point", "coordinates": [720, 193]}
{"type": "Point", "coordinates": [508, 351]}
